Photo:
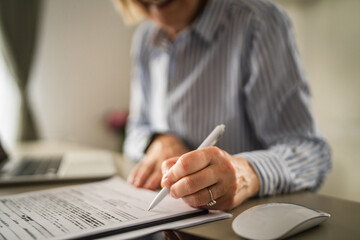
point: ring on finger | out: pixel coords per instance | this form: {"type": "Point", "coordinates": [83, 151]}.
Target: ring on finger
{"type": "Point", "coordinates": [212, 201]}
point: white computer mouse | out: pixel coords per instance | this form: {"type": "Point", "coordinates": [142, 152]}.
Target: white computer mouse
{"type": "Point", "coordinates": [276, 220]}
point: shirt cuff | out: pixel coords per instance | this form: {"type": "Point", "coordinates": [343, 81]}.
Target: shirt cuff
{"type": "Point", "coordinates": [150, 140]}
{"type": "Point", "coordinates": [135, 144]}
{"type": "Point", "coordinates": [272, 171]}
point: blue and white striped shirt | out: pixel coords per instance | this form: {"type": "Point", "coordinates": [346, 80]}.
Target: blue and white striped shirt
{"type": "Point", "coordinates": [237, 64]}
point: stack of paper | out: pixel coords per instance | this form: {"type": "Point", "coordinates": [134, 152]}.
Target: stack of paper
{"type": "Point", "coordinates": [97, 209]}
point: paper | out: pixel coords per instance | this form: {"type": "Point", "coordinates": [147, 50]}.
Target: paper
{"type": "Point", "coordinates": [212, 216]}
{"type": "Point", "coordinates": [83, 210]}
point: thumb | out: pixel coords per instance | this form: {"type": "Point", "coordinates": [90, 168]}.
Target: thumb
{"type": "Point", "coordinates": [165, 167]}
{"type": "Point", "coordinates": [167, 164]}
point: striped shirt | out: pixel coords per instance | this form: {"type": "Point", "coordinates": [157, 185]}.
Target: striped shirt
{"type": "Point", "coordinates": [237, 65]}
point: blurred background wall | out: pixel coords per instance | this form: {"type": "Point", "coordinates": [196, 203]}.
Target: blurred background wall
{"type": "Point", "coordinates": [82, 72]}
{"type": "Point", "coordinates": [328, 33]}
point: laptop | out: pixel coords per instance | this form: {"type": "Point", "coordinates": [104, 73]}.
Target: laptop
{"type": "Point", "coordinates": [71, 166]}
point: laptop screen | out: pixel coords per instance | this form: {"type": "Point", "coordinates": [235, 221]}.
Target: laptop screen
{"type": "Point", "coordinates": [3, 156]}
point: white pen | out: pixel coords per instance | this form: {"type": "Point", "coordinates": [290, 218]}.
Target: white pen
{"type": "Point", "coordinates": [209, 141]}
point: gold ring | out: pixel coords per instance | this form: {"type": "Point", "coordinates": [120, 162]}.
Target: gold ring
{"type": "Point", "coordinates": [212, 202]}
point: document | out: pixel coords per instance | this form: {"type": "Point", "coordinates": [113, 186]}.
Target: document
{"type": "Point", "coordinates": [188, 222]}
{"type": "Point", "coordinates": [96, 209]}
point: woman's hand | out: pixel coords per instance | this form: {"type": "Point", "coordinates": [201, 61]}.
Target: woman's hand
{"type": "Point", "coordinates": [231, 179]}
{"type": "Point", "coordinates": [147, 174]}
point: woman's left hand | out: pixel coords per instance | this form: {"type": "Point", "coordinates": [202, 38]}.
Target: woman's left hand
{"type": "Point", "coordinates": [230, 179]}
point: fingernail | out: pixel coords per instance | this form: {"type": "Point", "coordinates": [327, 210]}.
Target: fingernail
{"type": "Point", "coordinates": [136, 181]}
{"type": "Point", "coordinates": [166, 182]}
{"type": "Point", "coordinates": [173, 195]}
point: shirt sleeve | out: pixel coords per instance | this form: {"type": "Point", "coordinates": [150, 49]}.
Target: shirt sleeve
{"type": "Point", "coordinates": [277, 97]}
{"type": "Point", "coordinates": [138, 131]}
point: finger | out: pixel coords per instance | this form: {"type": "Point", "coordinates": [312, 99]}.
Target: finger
{"type": "Point", "coordinates": [165, 167]}
{"type": "Point", "coordinates": [153, 182]}
{"type": "Point", "coordinates": [167, 164]}
{"type": "Point", "coordinates": [144, 171]}
{"type": "Point", "coordinates": [170, 235]}
{"type": "Point", "coordinates": [131, 177]}
{"type": "Point", "coordinates": [187, 164]}
{"type": "Point", "coordinates": [224, 203]}
{"type": "Point", "coordinates": [202, 197]}
{"type": "Point", "coordinates": [195, 182]}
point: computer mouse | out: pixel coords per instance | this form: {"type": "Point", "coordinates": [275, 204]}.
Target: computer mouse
{"type": "Point", "coordinates": [276, 220]}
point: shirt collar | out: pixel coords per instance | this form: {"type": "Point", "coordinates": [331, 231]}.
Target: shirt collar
{"type": "Point", "coordinates": [161, 39]}
{"type": "Point", "coordinates": [206, 26]}
{"type": "Point", "coordinates": [210, 20]}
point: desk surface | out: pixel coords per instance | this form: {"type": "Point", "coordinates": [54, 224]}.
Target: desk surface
{"type": "Point", "coordinates": [343, 224]}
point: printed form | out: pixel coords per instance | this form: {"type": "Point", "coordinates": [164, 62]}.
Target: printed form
{"type": "Point", "coordinates": [83, 210]}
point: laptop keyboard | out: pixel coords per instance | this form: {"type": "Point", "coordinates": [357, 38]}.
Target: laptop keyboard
{"type": "Point", "coordinates": [30, 166]}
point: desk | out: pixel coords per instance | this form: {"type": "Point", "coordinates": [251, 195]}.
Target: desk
{"type": "Point", "coordinates": [343, 224]}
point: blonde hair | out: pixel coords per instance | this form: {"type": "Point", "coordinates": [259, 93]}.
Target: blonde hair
{"type": "Point", "coordinates": [131, 12]}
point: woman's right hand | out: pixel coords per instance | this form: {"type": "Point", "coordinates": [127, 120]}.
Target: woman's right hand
{"type": "Point", "coordinates": [147, 173]}
{"type": "Point", "coordinates": [207, 174]}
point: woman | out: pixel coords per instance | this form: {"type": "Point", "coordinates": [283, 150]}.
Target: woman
{"type": "Point", "coordinates": [200, 63]}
